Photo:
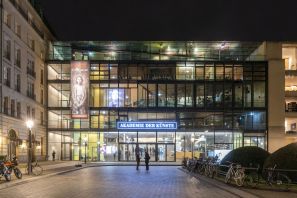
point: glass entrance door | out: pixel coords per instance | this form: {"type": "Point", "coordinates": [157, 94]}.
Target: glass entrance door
{"type": "Point", "coordinates": [66, 151]}
{"type": "Point", "coordinates": [127, 152]}
{"type": "Point", "coordinates": [166, 152]}
{"type": "Point", "coordinates": [150, 148]}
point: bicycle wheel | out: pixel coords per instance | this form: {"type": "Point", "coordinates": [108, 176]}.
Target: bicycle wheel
{"type": "Point", "coordinates": [7, 177]}
{"type": "Point", "coordinates": [18, 173]}
{"type": "Point", "coordinates": [239, 177]}
{"type": "Point", "coordinates": [37, 170]}
{"type": "Point", "coordinates": [283, 181]}
{"type": "Point", "coordinates": [249, 181]}
{"type": "Point", "coordinates": [228, 177]}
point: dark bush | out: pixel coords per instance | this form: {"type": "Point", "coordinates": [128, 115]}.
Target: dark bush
{"type": "Point", "coordinates": [284, 158]}
{"type": "Point", "coordinates": [249, 156]}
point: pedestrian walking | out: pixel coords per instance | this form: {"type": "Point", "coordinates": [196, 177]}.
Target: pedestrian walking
{"type": "Point", "coordinates": [147, 160]}
{"type": "Point", "coordinates": [137, 161]}
{"type": "Point", "coordinates": [54, 155]}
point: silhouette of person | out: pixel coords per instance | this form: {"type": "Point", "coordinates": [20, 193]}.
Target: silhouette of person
{"type": "Point", "coordinates": [137, 161]}
{"type": "Point", "coordinates": [147, 160]}
{"type": "Point", "coordinates": [54, 155]}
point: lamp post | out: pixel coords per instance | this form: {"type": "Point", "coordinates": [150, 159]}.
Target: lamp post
{"type": "Point", "coordinates": [98, 151]}
{"type": "Point", "coordinates": [29, 124]}
{"type": "Point", "coordinates": [192, 141]}
{"type": "Point", "coordinates": [184, 147]}
{"type": "Point", "coordinates": [85, 142]}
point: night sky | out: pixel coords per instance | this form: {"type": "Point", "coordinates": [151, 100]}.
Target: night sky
{"type": "Point", "coordinates": [249, 20]}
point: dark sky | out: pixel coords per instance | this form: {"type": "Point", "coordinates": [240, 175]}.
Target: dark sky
{"type": "Point", "coordinates": [249, 20]}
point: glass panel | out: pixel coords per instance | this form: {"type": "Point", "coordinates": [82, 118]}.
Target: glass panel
{"type": "Point", "coordinates": [170, 152]}
{"type": "Point", "coordinates": [185, 71]}
{"type": "Point", "coordinates": [146, 136]}
{"type": "Point", "coordinates": [189, 95]}
{"type": "Point", "coordinates": [238, 95]}
{"type": "Point", "coordinates": [209, 95]}
{"type": "Point", "coordinates": [219, 72]}
{"type": "Point", "coordinates": [259, 94]}
{"type": "Point", "coordinates": [161, 95]}
{"type": "Point", "coordinates": [228, 72]}
{"type": "Point", "coordinates": [238, 72]}
{"type": "Point", "coordinates": [170, 98]}
{"type": "Point", "coordinates": [142, 95]}
{"type": "Point", "coordinates": [152, 95]}
{"type": "Point", "coordinates": [166, 137]}
{"type": "Point", "coordinates": [180, 95]}
{"type": "Point", "coordinates": [209, 72]}
{"type": "Point", "coordinates": [128, 137]}
{"type": "Point", "coordinates": [113, 71]}
{"type": "Point", "coordinates": [199, 95]}
{"type": "Point", "coordinates": [199, 71]}
{"type": "Point", "coordinates": [247, 95]}
{"type": "Point", "coordinates": [228, 95]}
{"type": "Point", "coordinates": [219, 95]}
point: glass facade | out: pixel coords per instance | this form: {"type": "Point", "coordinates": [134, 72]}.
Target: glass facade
{"type": "Point", "coordinates": [218, 105]}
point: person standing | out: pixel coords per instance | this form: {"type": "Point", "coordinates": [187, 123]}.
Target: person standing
{"type": "Point", "coordinates": [54, 155]}
{"type": "Point", "coordinates": [147, 160]}
{"type": "Point", "coordinates": [137, 161]}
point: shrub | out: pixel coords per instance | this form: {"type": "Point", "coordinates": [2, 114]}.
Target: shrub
{"type": "Point", "coordinates": [249, 156]}
{"type": "Point", "coordinates": [284, 158]}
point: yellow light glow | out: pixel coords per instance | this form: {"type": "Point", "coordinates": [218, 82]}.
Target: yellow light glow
{"type": "Point", "coordinates": [29, 124]}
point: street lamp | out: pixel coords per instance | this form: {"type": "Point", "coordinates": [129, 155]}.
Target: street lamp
{"type": "Point", "coordinates": [192, 141]}
{"type": "Point", "coordinates": [99, 151]}
{"type": "Point", "coordinates": [29, 124]}
{"type": "Point", "coordinates": [85, 142]}
{"type": "Point", "coordinates": [184, 147]}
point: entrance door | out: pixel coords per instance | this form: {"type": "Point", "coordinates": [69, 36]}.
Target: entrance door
{"type": "Point", "coordinates": [66, 151]}
{"type": "Point", "coordinates": [127, 152]}
{"type": "Point", "coordinates": [150, 148]}
{"type": "Point", "coordinates": [166, 152]}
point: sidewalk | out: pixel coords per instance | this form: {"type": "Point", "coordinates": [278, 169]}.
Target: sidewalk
{"type": "Point", "coordinates": [51, 168]}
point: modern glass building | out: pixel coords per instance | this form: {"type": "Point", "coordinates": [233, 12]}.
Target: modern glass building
{"type": "Point", "coordinates": [214, 94]}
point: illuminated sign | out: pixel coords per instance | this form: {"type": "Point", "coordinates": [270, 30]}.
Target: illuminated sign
{"type": "Point", "coordinates": [147, 125]}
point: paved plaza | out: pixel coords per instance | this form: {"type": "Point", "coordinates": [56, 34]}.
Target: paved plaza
{"type": "Point", "coordinates": [123, 182]}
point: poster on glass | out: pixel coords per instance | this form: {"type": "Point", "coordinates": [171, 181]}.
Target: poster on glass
{"type": "Point", "coordinates": [79, 89]}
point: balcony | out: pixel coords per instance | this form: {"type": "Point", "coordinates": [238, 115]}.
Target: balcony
{"type": "Point", "coordinates": [31, 72]}
{"type": "Point", "coordinates": [31, 95]}
{"type": "Point", "coordinates": [25, 15]}
{"type": "Point", "coordinates": [291, 72]}
{"type": "Point", "coordinates": [291, 93]}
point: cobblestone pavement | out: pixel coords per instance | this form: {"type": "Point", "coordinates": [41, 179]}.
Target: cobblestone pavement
{"type": "Point", "coordinates": [118, 181]}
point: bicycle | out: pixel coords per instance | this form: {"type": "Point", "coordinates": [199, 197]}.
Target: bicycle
{"type": "Point", "coordinates": [277, 179]}
{"type": "Point", "coordinates": [235, 172]}
{"type": "Point", "coordinates": [36, 169]}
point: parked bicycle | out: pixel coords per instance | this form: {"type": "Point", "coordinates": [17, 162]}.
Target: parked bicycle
{"type": "Point", "coordinates": [235, 172]}
{"type": "Point", "coordinates": [4, 171]}
{"type": "Point", "coordinates": [36, 169]}
{"type": "Point", "coordinates": [277, 179]}
{"type": "Point", "coordinates": [12, 167]}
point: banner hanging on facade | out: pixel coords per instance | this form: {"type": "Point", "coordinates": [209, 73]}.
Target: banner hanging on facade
{"type": "Point", "coordinates": [79, 89]}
